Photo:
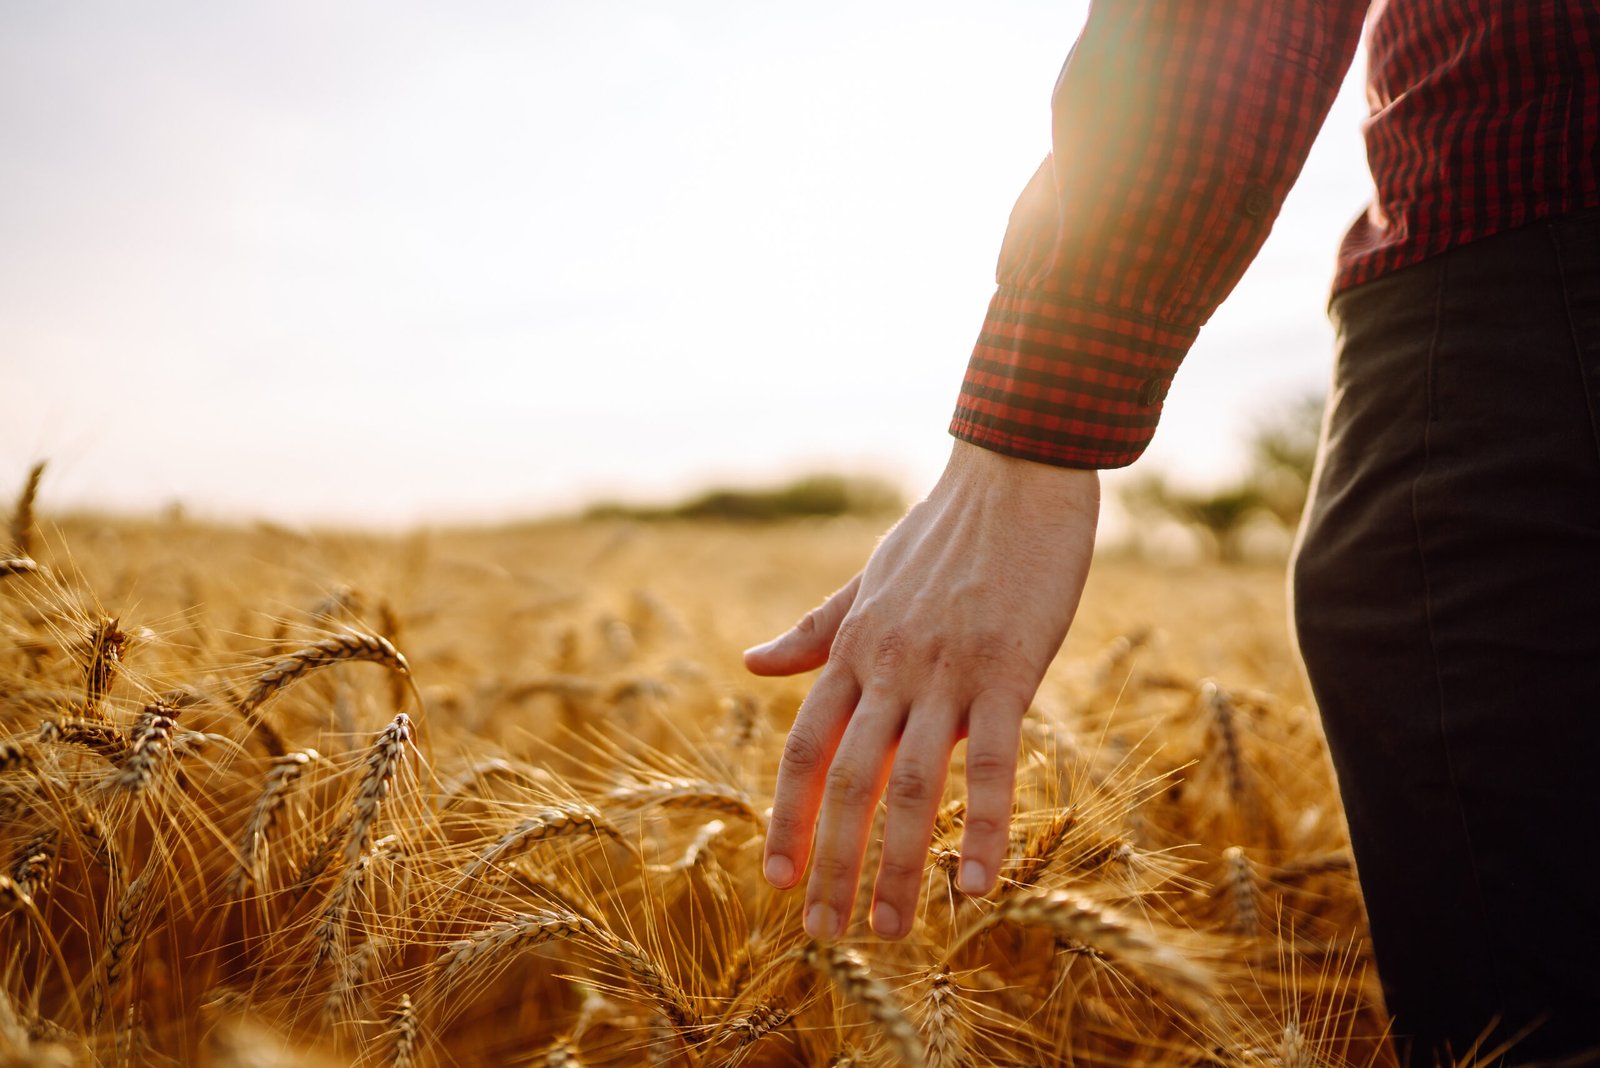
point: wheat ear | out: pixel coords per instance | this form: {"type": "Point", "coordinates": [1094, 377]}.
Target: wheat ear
{"type": "Point", "coordinates": [285, 772]}
{"type": "Point", "coordinates": [150, 744]}
{"type": "Point", "coordinates": [403, 1033]}
{"type": "Point", "coordinates": [122, 939]}
{"type": "Point", "coordinates": [1241, 890]}
{"type": "Point", "coordinates": [547, 824]}
{"type": "Point", "coordinates": [509, 937]}
{"type": "Point", "coordinates": [850, 975]}
{"type": "Point", "coordinates": [22, 517]}
{"type": "Point", "coordinates": [383, 761]}
{"type": "Point", "coordinates": [348, 647]}
{"type": "Point", "coordinates": [699, 794]}
{"type": "Point", "coordinates": [106, 646]}
{"type": "Point", "coordinates": [1108, 933]}
{"type": "Point", "coordinates": [944, 1028]}
{"type": "Point", "coordinates": [35, 863]}
{"type": "Point", "coordinates": [649, 977]}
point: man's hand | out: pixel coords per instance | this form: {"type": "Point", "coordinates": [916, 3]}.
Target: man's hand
{"type": "Point", "coordinates": [945, 634]}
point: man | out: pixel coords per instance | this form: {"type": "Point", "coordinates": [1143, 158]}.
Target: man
{"type": "Point", "coordinates": [1448, 577]}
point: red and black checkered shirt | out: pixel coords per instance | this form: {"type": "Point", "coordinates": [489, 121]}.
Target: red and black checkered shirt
{"type": "Point", "coordinates": [1179, 126]}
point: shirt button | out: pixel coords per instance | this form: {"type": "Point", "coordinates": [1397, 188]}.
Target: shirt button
{"type": "Point", "coordinates": [1257, 201]}
{"type": "Point", "coordinates": [1154, 391]}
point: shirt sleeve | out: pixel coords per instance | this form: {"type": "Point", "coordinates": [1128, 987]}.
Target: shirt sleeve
{"type": "Point", "coordinates": [1178, 128]}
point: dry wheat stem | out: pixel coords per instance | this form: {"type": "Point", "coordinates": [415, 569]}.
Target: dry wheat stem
{"type": "Point", "coordinates": [850, 975]}
{"type": "Point", "coordinates": [18, 565]}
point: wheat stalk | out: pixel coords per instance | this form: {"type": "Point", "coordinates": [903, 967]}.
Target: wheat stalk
{"type": "Point", "coordinates": [346, 992]}
{"type": "Point", "coordinates": [35, 863]}
{"type": "Point", "coordinates": [97, 737]}
{"type": "Point", "coordinates": [15, 756]}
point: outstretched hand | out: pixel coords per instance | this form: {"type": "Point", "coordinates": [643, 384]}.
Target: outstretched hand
{"type": "Point", "coordinates": [946, 634]}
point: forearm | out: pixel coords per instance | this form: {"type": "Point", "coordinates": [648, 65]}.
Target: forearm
{"type": "Point", "coordinates": [1179, 127]}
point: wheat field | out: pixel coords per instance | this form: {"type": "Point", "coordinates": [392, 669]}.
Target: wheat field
{"type": "Point", "coordinates": [496, 797]}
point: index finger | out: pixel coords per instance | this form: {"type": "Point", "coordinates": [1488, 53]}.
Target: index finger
{"type": "Point", "coordinates": [807, 753]}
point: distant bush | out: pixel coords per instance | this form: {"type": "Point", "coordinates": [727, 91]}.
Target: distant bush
{"type": "Point", "coordinates": [812, 495]}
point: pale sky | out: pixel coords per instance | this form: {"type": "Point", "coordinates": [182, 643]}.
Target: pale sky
{"type": "Point", "coordinates": [401, 261]}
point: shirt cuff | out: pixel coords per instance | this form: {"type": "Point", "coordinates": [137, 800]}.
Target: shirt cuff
{"type": "Point", "coordinates": [1067, 383]}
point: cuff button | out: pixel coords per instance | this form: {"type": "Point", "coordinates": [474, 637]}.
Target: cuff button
{"type": "Point", "coordinates": [1154, 391]}
{"type": "Point", "coordinates": [1257, 201]}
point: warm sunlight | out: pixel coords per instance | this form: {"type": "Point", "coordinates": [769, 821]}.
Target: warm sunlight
{"type": "Point", "coordinates": [505, 260]}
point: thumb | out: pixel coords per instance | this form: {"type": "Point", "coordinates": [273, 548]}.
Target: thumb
{"type": "Point", "coordinates": [805, 645]}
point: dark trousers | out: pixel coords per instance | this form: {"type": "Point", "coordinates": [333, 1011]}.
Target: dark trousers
{"type": "Point", "coordinates": [1447, 604]}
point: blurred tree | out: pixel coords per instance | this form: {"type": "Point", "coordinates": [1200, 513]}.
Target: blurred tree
{"type": "Point", "coordinates": [1283, 453]}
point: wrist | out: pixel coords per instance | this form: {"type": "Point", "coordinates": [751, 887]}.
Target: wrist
{"type": "Point", "coordinates": [972, 468]}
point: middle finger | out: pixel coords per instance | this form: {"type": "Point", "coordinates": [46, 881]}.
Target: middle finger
{"type": "Point", "coordinates": [850, 800]}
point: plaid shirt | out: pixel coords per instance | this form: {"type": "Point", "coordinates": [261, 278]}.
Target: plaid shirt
{"type": "Point", "coordinates": [1179, 126]}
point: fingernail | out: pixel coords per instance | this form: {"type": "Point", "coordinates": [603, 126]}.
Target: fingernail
{"type": "Point", "coordinates": [779, 871]}
{"type": "Point", "coordinates": [763, 647]}
{"type": "Point", "coordinates": [822, 922]}
{"type": "Point", "coordinates": [974, 880]}
{"type": "Point", "coordinates": [886, 920]}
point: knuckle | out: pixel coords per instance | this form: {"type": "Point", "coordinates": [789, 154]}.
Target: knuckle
{"type": "Point", "coordinates": [895, 870]}
{"type": "Point", "coordinates": [810, 622]}
{"type": "Point", "coordinates": [910, 786]}
{"type": "Point", "coordinates": [803, 753]}
{"type": "Point", "coordinates": [849, 638]}
{"type": "Point", "coordinates": [832, 869]}
{"type": "Point", "coordinates": [989, 768]}
{"type": "Point", "coordinates": [785, 827]}
{"type": "Point", "coordinates": [981, 827]}
{"type": "Point", "coordinates": [848, 785]}
{"type": "Point", "coordinates": [889, 651]}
